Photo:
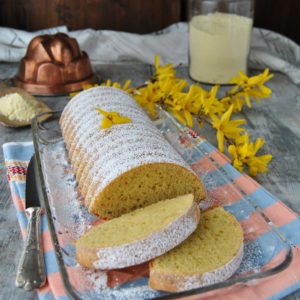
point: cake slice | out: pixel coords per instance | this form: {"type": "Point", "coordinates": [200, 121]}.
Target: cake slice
{"type": "Point", "coordinates": [210, 255]}
{"type": "Point", "coordinates": [140, 235]}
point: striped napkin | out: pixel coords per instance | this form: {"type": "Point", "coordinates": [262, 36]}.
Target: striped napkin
{"type": "Point", "coordinates": [17, 156]}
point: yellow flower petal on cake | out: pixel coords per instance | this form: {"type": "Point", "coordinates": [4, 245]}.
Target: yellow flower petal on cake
{"type": "Point", "coordinates": [112, 118]}
{"type": "Point", "coordinates": [103, 112]}
{"type": "Point", "coordinates": [118, 119]}
{"type": "Point", "coordinates": [106, 123]}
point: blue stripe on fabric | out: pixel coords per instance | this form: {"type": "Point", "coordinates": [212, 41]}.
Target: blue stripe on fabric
{"type": "Point", "coordinates": [69, 255]}
{"type": "Point", "coordinates": [230, 171]}
{"type": "Point", "coordinates": [213, 180]}
{"type": "Point", "coordinates": [22, 218]}
{"type": "Point", "coordinates": [62, 298]}
{"type": "Point", "coordinates": [271, 245]}
{"type": "Point", "coordinates": [285, 292]}
{"type": "Point", "coordinates": [292, 231]}
{"type": "Point", "coordinates": [46, 296]}
{"type": "Point", "coordinates": [44, 223]}
{"type": "Point", "coordinates": [192, 156]}
{"type": "Point", "coordinates": [219, 177]}
{"type": "Point", "coordinates": [262, 198]}
{"type": "Point", "coordinates": [18, 151]}
{"type": "Point", "coordinates": [207, 146]}
{"type": "Point", "coordinates": [241, 209]}
{"type": "Point", "coordinates": [50, 262]}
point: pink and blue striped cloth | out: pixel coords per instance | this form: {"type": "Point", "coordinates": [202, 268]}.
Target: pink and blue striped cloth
{"type": "Point", "coordinates": [276, 286]}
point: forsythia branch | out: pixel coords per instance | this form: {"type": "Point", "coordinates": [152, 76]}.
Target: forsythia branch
{"type": "Point", "coordinates": [189, 104]}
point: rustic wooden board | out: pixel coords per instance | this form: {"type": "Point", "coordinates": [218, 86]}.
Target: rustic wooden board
{"type": "Point", "coordinates": [276, 119]}
{"type": "Point", "coordinates": [124, 15]}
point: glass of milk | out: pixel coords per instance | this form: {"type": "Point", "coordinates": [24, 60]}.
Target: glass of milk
{"type": "Point", "coordinates": [219, 39]}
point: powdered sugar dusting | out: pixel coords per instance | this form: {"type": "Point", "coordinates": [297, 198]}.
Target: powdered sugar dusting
{"type": "Point", "coordinates": [67, 205]}
{"type": "Point", "coordinates": [183, 283]}
{"type": "Point", "coordinates": [156, 244]}
{"type": "Point", "coordinates": [130, 292]}
{"type": "Point", "coordinates": [214, 276]}
{"type": "Point", "coordinates": [115, 150]}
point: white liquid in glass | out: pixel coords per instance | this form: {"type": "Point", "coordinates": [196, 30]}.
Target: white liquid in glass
{"type": "Point", "coordinates": [219, 45]}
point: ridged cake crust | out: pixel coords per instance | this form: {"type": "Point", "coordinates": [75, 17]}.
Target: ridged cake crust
{"type": "Point", "coordinates": [141, 250]}
{"type": "Point", "coordinates": [102, 158]}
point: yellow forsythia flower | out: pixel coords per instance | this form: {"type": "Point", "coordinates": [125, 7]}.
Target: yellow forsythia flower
{"type": "Point", "coordinates": [226, 127]}
{"type": "Point", "coordinates": [112, 118]}
{"type": "Point", "coordinates": [237, 161]}
{"type": "Point", "coordinates": [84, 87]}
{"type": "Point", "coordinates": [148, 96]}
{"type": "Point", "coordinates": [211, 105]}
{"type": "Point", "coordinates": [118, 85]}
{"type": "Point", "coordinates": [245, 153]}
{"type": "Point", "coordinates": [184, 105]}
{"type": "Point", "coordinates": [163, 72]}
{"type": "Point", "coordinates": [251, 86]}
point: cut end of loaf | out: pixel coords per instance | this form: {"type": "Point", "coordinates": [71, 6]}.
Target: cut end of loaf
{"type": "Point", "coordinates": [145, 185]}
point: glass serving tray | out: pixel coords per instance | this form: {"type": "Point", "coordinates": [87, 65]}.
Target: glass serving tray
{"type": "Point", "coordinates": [68, 219]}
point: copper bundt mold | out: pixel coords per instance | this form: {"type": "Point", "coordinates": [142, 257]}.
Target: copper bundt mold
{"type": "Point", "coordinates": [54, 65]}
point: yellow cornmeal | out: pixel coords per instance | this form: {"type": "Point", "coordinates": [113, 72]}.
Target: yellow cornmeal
{"type": "Point", "coordinates": [137, 224]}
{"type": "Point", "coordinates": [15, 107]}
{"type": "Point", "coordinates": [215, 242]}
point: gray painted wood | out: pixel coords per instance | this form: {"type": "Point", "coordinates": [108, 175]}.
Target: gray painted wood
{"type": "Point", "coordinates": [276, 119]}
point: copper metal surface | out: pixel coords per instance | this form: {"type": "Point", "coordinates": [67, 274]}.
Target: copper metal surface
{"type": "Point", "coordinates": [53, 65]}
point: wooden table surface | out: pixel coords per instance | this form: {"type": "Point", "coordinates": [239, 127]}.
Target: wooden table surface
{"type": "Point", "coordinates": [277, 120]}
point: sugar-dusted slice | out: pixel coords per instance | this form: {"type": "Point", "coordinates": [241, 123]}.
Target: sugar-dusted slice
{"type": "Point", "coordinates": [210, 255]}
{"type": "Point", "coordinates": [140, 235]}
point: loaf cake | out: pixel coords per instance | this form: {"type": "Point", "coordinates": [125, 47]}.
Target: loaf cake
{"type": "Point", "coordinates": [126, 166]}
{"type": "Point", "coordinates": [138, 236]}
{"type": "Point", "coordinates": [210, 255]}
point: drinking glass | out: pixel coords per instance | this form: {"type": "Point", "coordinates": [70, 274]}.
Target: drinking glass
{"type": "Point", "coordinates": [219, 39]}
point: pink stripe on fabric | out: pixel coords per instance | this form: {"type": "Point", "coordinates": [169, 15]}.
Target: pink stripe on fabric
{"type": "Point", "coordinates": [47, 242]}
{"type": "Point", "coordinates": [203, 165]}
{"type": "Point", "coordinates": [23, 232]}
{"type": "Point", "coordinates": [280, 214]}
{"type": "Point", "coordinates": [56, 285]}
{"type": "Point", "coordinates": [254, 227]}
{"type": "Point", "coordinates": [219, 157]}
{"type": "Point", "coordinates": [224, 194]}
{"type": "Point", "coordinates": [18, 202]}
{"type": "Point", "coordinates": [83, 283]}
{"type": "Point", "coordinates": [248, 186]}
